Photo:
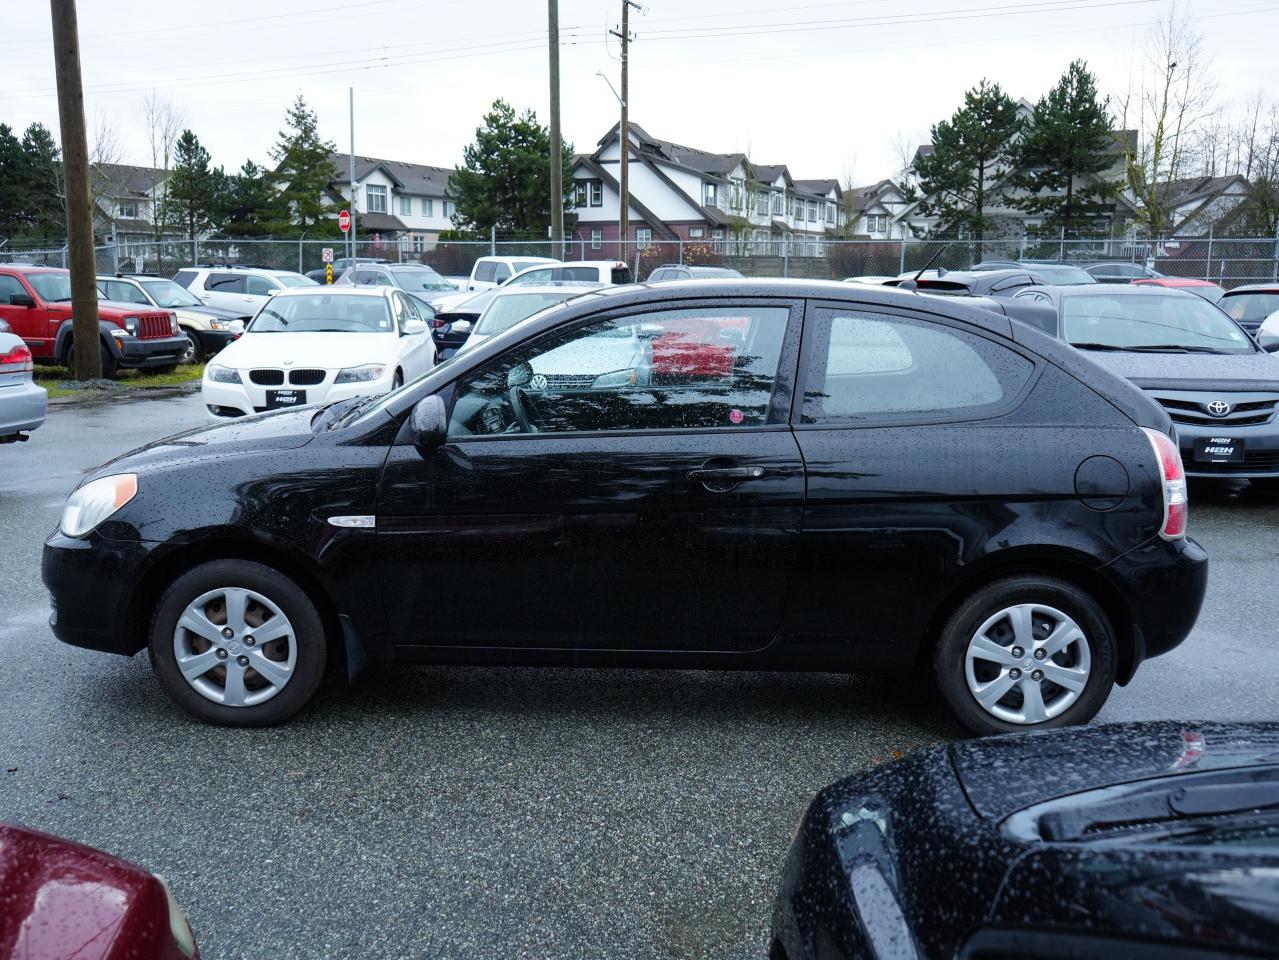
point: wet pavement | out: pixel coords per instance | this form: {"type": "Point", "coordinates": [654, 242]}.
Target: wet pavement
{"type": "Point", "coordinates": [465, 812]}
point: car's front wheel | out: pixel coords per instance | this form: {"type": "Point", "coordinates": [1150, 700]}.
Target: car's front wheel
{"type": "Point", "coordinates": [1026, 652]}
{"type": "Point", "coordinates": [238, 643]}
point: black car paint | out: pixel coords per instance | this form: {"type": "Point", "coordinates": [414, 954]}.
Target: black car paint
{"type": "Point", "coordinates": [777, 562]}
{"type": "Point", "coordinates": [935, 828]}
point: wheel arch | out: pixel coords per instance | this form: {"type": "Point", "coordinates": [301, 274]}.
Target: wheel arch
{"type": "Point", "coordinates": [174, 563]}
{"type": "Point", "coordinates": [1079, 570]}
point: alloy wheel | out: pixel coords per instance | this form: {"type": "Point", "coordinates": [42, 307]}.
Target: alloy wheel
{"type": "Point", "coordinates": [235, 646]}
{"type": "Point", "coordinates": [1027, 663]}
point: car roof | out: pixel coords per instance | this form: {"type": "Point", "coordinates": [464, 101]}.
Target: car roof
{"type": "Point", "coordinates": [32, 268]}
{"type": "Point", "coordinates": [247, 267]}
{"type": "Point", "coordinates": [1174, 282]}
{"type": "Point", "coordinates": [1255, 288]}
{"type": "Point", "coordinates": [550, 286]}
{"type": "Point", "coordinates": [510, 259]}
{"type": "Point", "coordinates": [1120, 290]}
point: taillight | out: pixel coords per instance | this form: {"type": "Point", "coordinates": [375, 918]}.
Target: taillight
{"type": "Point", "coordinates": [17, 360]}
{"type": "Point", "coordinates": [438, 324]}
{"type": "Point", "coordinates": [1173, 475]}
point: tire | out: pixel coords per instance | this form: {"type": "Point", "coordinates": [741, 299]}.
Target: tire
{"type": "Point", "coordinates": [109, 368]}
{"type": "Point", "coordinates": [297, 656]}
{"type": "Point", "coordinates": [194, 353]}
{"type": "Point", "coordinates": [995, 616]}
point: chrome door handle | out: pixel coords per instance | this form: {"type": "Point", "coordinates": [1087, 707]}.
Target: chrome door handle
{"type": "Point", "coordinates": [733, 474]}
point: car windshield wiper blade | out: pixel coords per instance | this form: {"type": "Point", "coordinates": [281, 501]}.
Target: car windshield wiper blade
{"type": "Point", "coordinates": [1155, 806]}
{"type": "Point", "coordinates": [1146, 348]}
{"type": "Point", "coordinates": [352, 412]}
{"type": "Point", "coordinates": [1097, 346]}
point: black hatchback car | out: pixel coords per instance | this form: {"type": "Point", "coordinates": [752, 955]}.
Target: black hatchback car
{"type": "Point", "coordinates": [757, 474]}
{"type": "Point", "coordinates": [1219, 387]}
{"type": "Point", "coordinates": [1145, 841]}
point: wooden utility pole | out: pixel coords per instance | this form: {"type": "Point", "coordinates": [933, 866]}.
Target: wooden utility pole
{"type": "Point", "coordinates": [557, 161]}
{"type": "Point", "coordinates": [624, 180]}
{"type": "Point", "coordinates": [75, 158]}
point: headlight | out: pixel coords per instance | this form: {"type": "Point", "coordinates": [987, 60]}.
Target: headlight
{"type": "Point", "coordinates": [220, 374]}
{"type": "Point", "coordinates": [173, 324]}
{"type": "Point", "coordinates": [95, 501]}
{"type": "Point", "coordinates": [218, 324]}
{"type": "Point", "coordinates": [618, 378]}
{"type": "Point", "coordinates": [132, 324]}
{"type": "Point", "coordinates": [370, 371]}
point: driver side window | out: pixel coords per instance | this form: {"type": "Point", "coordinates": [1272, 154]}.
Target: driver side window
{"type": "Point", "coordinates": [693, 368]}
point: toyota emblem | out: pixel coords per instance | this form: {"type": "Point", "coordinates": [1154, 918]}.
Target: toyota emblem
{"type": "Point", "coordinates": [1218, 408]}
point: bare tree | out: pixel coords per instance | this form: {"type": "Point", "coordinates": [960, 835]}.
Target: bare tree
{"type": "Point", "coordinates": [106, 151]}
{"type": "Point", "coordinates": [1167, 106]}
{"type": "Point", "coordinates": [163, 122]}
{"type": "Point", "coordinates": [903, 146]}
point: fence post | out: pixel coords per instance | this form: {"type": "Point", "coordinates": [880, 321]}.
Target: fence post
{"type": "Point", "coordinates": [1022, 254]}
{"type": "Point", "coordinates": [680, 250]}
{"type": "Point", "coordinates": [1208, 262]}
{"type": "Point", "coordinates": [300, 253]}
{"type": "Point", "coordinates": [1274, 270]}
{"type": "Point", "coordinates": [493, 240]}
{"type": "Point", "coordinates": [1061, 249]}
{"type": "Point", "coordinates": [901, 266]}
{"type": "Point", "coordinates": [785, 258]}
{"type": "Point", "coordinates": [195, 251]}
{"type": "Point", "coordinates": [115, 250]}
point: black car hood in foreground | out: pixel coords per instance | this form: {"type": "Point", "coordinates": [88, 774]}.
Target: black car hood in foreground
{"type": "Point", "coordinates": [280, 430]}
{"type": "Point", "coordinates": [1192, 371]}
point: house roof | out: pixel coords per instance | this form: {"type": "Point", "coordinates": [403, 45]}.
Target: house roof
{"type": "Point", "coordinates": [659, 228]}
{"type": "Point", "coordinates": [703, 161]}
{"type": "Point", "coordinates": [1196, 189]}
{"type": "Point", "coordinates": [126, 180]}
{"type": "Point", "coordinates": [769, 172]}
{"type": "Point", "coordinates": [416, 179]}
{"type": "Point", "coordinates": [820, 188]}
{"type": "Point", "coordinates": [861, 198]}
{"type": "Point", "coordinates": [381, 222]}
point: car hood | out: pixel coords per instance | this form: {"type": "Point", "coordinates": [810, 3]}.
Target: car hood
{"type": "Point", "coordinates": [1191, 371]}
{"type": "Point", "coordinates": [328, 351]}
{"type": "Point", "coordinates": [1059, 763]}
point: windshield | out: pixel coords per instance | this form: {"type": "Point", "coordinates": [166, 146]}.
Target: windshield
{"type": "Point", "coordinates": [51, 286]}
{"type": "Point", "coordinates": [166, 293]}
{"type": "Point", "coordinates": [1251, 307]}
{"type": "Point", "coordinates": [1151, 321]}
{"type": "Point", "coordinates": [505, 312]}
{"type": "Point", "coordinates": [421, 278]}
{"type": "Point", "coordinates": [1061, 276]}
{"type": "Point", "coordinates": [324, 313]}
{"type": "Point", "coordinates": [292, 280]}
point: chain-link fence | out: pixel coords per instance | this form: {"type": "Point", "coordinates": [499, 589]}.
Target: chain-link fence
{"type": "Point", "coordinates": [1228, 261]}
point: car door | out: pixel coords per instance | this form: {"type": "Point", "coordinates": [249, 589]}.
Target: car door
{"type": "Point", "coordinates": [629, 483]}
{"type": "Point", "coordinates": [223, 290]}
{"type": "Point", "coordinates": [257, 290]}
{"type": "Point", "coordinates": [910, 468]}
{"type": "Point", "coordinates": [31, 323]}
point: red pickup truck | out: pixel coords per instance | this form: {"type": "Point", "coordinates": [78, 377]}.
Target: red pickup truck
{"type": "Point", "coordinates": [36, 303]}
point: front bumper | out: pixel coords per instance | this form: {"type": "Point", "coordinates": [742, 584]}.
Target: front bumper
{"type": "Point", "coordinates": [229, 400]}
{"type": "Point", "coordinates": [22, 407]}
{"type": "Point", "coordinates": [1164, 582]}
{"type": "Point", "coordinates": [90, 582]}
{"type": "Point", "coordinates": [1260, 447]}
{"type": "Point", "coordinates": [163, 351]}
{"type": "Point", "coordinates": [211, 341]}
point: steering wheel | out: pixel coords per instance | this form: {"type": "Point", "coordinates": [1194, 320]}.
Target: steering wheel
{"type": "Point", "coordinates": [518, 408]}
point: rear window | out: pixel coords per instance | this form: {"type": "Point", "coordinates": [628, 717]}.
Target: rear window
{"type": "Point", "coordinates": [580, 273]}
{"type": "Point", "coordinates": [1250, 307]}
{"type": "Point", "coordinates": [621, 275]}
{"type": "Point", "coordinates": [183, 278]}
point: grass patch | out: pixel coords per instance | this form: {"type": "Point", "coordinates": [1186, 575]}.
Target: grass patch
{"type": "Point", "coordinates": [54, 378]}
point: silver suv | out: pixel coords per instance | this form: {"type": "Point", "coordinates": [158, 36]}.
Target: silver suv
{"type": "Point", "coordinates": [243, 289]}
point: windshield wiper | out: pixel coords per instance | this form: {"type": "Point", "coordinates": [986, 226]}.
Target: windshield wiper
{"type": "Point", "coordinates": [1158, 806]}
{"type": "Point", "coordinates": [1147, 348]}
{"type": "Point", "coordinates": [352, 412]}
{"type": "Point", "coordinates": [1096, 346]}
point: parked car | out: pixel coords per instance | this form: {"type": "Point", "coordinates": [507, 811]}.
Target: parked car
{"type": "Point", "coordinates": [697, 521]}
{"type": "Point", "coordinates": [1058, 274]}
{"type": "Point", "coordinates": [508, 305]}
{"type": "Point", "coordinates": [419, 281]}
{"type": "Point", "coordinates": [313, 345]}
{"type": "Point", "coordinates": [1137, 840]}
{"type": "Point", "coordinates": [576, 271]}
{"type": "Point", "coordinates": [960, 283]}
{"type": "Point", "coordinates": [340, 266]}
{"type": "Point", "coordinates": [452, 326]}
{"type": "Point", "coordinates": [1120, 272]}
{"type": "Point", "coordinates": [683, 271]}
{"type": "Point", "coordinates": [239, 289]}
{"type": "Point", "coordinates": [22, 402]}
{"type": "Point", "coordinates": [1250, 305]}
{"type": "Point", "coordinates": [207, 329]}
{"type": "Point", "coordinates": [1204, 288]}
{"type": "Point", "coordinates": [489, 272]}
{"type": "Point", "coordinates": [1220, 389]}
{"type": "Point", "coordinates": [64, 900]}
{"type": "Point", "coordinates": [36, 303]}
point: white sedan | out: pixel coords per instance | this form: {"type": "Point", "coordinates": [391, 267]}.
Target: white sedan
{"type": "Point", "coordinates": [317, 345]}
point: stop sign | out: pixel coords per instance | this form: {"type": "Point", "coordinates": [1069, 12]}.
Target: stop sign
{"type": "Point", "coordinates": [344, 221]}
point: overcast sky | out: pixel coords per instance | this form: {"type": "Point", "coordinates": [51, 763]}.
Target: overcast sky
{"type": "Point", "coordinates": [819, 85]}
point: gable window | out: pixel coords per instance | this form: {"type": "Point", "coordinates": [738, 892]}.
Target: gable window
{"type": "Point", "coordinates": [406, 206]}
{"type": "Point", "coordinates": [643, 237]}
{"type": "Point", "coordinates": [597, 238]}
{"type": "Point", "coordinates": [376, 198]}
{"type": "Point", "coordinates": [128, 208]}
{"type": "Point", "coordinates": [696, 233]}
{"type": "Point", "coordinates": [428, 207]}
{"type": "Point", "coordinates": [876, 223]}
{"type": "Point", "coordinates": [597, 193]}
{"type": "Point", "coordinates": [579, 193]}
{"type": "Point", "coordinates": [709, 195]}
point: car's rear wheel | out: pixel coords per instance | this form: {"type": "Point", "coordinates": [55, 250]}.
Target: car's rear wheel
{"type": "Point", "coordinates": [1025, 653]}
{"type": "Point", "coordinates": [238, 643]}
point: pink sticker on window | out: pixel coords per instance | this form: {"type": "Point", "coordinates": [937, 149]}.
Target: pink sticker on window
{"type": "Point", "coordinates": [736, 416]}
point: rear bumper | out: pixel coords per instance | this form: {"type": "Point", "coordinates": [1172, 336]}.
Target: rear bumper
{"type": "Point", "coordinates": [22, 407]}
{"type": "Point", "coordinates": [1165, 582]}
{"type": "Point", "coordinates": [91, 582]}
{"type": "Point", "coordinates": [134, 353]}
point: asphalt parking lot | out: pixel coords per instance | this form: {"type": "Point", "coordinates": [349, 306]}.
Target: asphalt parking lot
{"type": "Point", "coordinates": [462, 812]}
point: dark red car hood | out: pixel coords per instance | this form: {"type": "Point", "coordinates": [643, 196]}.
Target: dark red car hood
{"type": "Point", "coordinates": [59, 899]}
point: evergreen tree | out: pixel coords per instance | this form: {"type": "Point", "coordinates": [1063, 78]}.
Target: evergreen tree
{"type": "Point", "coordinates": [12, 202]}
{"type": "Point", "coordinates": [194, 188]}
{"type": "Point", "coordinates": [972, 153]}
{"type": "Point", "coordinates": [505, 178]}
{"type": "Point", "coordinates": [249, 206]}
{"type": "Point", "coordinates": [304, 169]}
{"type": "Point", "coordinates": [1066, 151]}
{"type": "Point", "coordinates": [38, 188]}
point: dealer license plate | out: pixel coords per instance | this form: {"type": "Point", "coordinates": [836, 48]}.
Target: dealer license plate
{"type": "Point", "coordinates": [275, 399]}
{"type": "Point", "coordinates": [1218, 450]}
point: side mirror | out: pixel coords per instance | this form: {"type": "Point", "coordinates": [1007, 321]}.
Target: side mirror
{"type": "Point", "coordinates": [460, 326]}
{"type": "Point", "coordinates": [1268, 342]}
{"type": "Point", "coordinates": [21, 300]}
{"type": "Point", "coordinates": [413, 328]}
{"type": "Point", "coordinates": [429, 424]}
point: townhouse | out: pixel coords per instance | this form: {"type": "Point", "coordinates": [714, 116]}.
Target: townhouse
{"type": "Point", "coordinates": [395, 200]}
